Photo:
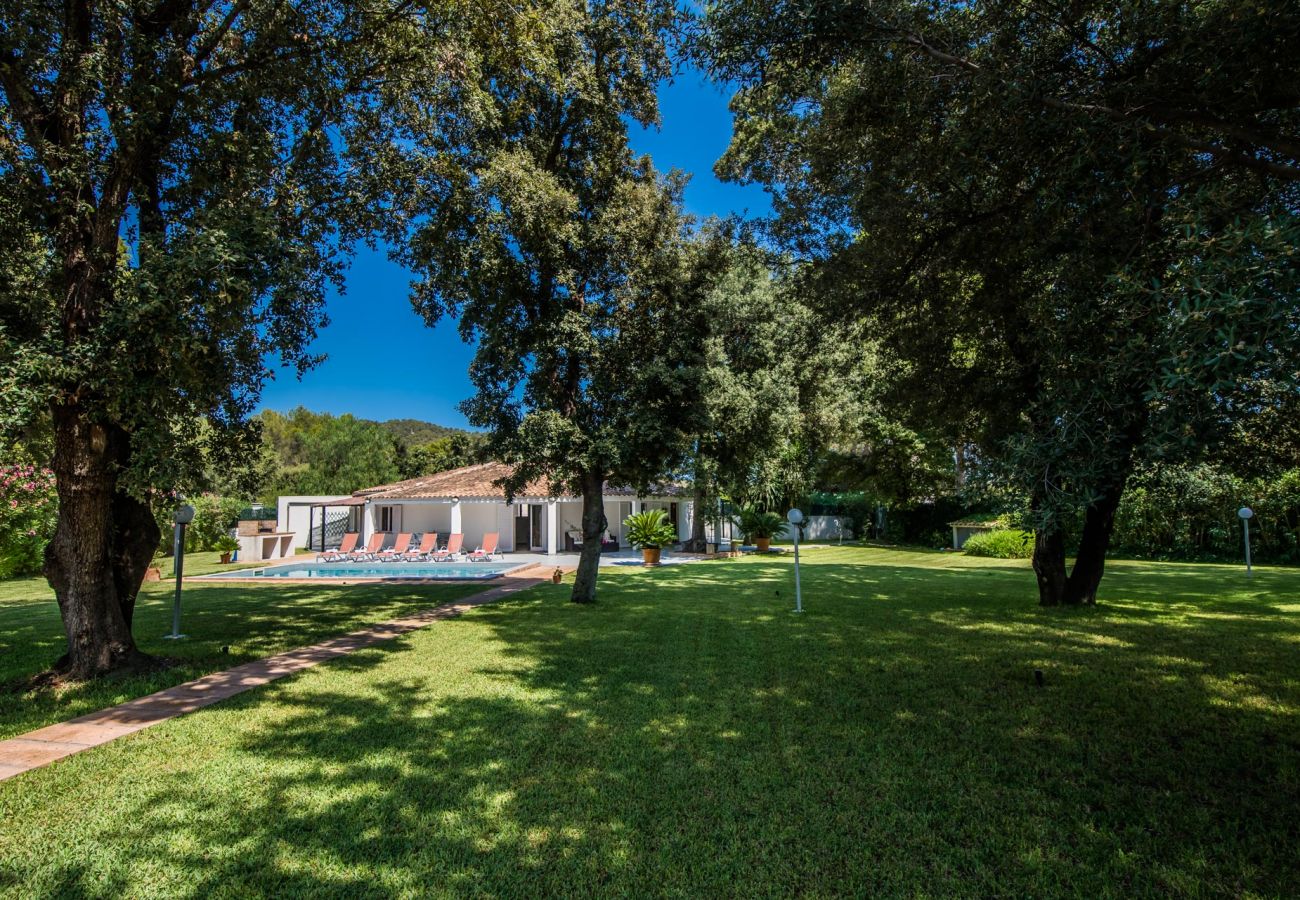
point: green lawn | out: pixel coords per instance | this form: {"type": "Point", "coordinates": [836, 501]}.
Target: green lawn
{"type": "Point", "coordinates": [691, 736]}
{"type": "Point", "coordinates": [252, 622]}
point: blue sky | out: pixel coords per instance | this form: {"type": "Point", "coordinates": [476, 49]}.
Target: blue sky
{"type": "Point", "coordinates": [383, 362]}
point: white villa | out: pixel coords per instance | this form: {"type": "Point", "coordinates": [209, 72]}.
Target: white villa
{"type": "Point", "coordinates": [468, 501]}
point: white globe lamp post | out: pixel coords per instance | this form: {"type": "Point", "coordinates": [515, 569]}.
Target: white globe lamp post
{"type": "Point", "coordinates": [795, 518]}
{"type": "Point", "coordinates": [1246, 514]}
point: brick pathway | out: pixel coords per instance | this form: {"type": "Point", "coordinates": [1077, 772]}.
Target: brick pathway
{"type": "Point", "coordinates": [43, 746]}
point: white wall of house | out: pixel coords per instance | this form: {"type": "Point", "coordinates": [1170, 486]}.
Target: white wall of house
{"type": "Point", "coordinates": [479, 517]}
{"type": "Point", "coordinates": [568, 519]}
{"type": "Point", "coordinates": [420, 518]}
{"type": "Point", "coordinates": [616, 510]}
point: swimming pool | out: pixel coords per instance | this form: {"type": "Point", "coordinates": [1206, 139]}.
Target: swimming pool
{"type": "Point", "coordinates": [372, 571]}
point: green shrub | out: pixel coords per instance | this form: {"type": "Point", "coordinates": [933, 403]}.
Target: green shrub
{"type": "Point", "coordinates": [214, 517]}
{"type": "Point", "coordinates": [1190, 512]}
{"type": "Point", "coordinates": [650, 530]}
{"type": "Point", "coordinates": [755, 523]}
{"type": "Point", "coordinates": [1004, 543]}
{"type": "Point", "coordinates": [28, 510]}
{"type": "Point", "coordinates": [225, 544]}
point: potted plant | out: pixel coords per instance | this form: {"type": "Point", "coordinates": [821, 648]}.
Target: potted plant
{"type": "Point", "coordinates": [651, 531]}
{"type": "Point", "coordinates": [226, 545]}
{"type": "Point", "coordinates": [154, 572]}
{"type": "Point", "coordinates": [759, 526]}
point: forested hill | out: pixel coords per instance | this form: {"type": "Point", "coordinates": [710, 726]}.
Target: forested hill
{"type": "Point", "coordinates": [305, 452]}
{"type": "Point", "coordinates": [414, 433]}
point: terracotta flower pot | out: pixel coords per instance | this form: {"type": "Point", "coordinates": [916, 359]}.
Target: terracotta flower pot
{"type": "Point", "coordinates": [557, 576]}
{"type": "Point", "coordinates": [650, 555]}
{"type": "Point", "coordinates": [153, 573]}
{"type": "Point", "coordinates": [225, 557]}
{"type": "Point", "coordinates": [763, 544]}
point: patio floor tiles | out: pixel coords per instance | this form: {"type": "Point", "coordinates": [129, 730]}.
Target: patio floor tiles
{"type": "Point", "coordinates": [45, 745]}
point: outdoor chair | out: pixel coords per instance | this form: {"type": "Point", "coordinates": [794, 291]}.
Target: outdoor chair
{"type": "Point", "coordinates": [343, 551]}
{"type": "Point", "coordinates": [372, 548]}
{"type": "Point", "coordinates": [487, 549]}
{"type": "Point", "coordinates": [451, 551]}
{"type": "Point", "coordinates": [398, 550]}
{"type": "Point", "coordinates": [428, 543]}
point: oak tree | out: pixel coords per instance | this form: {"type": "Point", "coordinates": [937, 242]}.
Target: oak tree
{"type": "Point", "coordinates": [177, 188]}
{"type": "Point", "coordinates": [1070, 227]}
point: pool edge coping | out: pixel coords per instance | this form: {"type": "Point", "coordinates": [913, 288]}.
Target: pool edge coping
{"type": "Point", "coordinates": [245, 576]}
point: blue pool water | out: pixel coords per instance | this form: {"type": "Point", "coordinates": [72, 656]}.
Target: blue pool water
{"type": "Point", "coordinates": [440, 571]}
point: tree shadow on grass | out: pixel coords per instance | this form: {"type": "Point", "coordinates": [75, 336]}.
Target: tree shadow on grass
{"type": "Point", "coordinates": [690, 735]}
{"type": "Point", "coordinates": [224, 626]}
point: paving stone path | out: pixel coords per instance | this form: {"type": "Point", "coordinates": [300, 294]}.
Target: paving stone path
{"type": "Point", "coordinates": [43, 746]}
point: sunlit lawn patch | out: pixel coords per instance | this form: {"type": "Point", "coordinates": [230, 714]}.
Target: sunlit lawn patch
{"type": "Point", "coordinates": [690, 735]}
{"type": "Point", "coordinates": [251, 622]}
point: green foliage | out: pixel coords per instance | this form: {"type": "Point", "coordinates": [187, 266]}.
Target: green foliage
{"type": "Point", "coordinates": [758, 523]}
{"type": "Point", "coordinates": [225, 544]}
{"type": "Point", "coordinates": [318, 453]}
{"type": "Point", "coordinates": [650, 530]}
{"type": "Point", "coordinates": [214, 517]}
{"type": "Point", "coordinates": [28, 508]}
{"type": "Point", "coordinates": [1069, 255]}
{"type": "Point", "coordinates": [451, 452]}
{"type": "Point", "coordinates": [203, 179]}
{"type": "Point", "coordinates": [1190, 512]}
{"type": "Point", "coordinates": [564, 257]}
{"type": "Point", "coordinates": [416, 433]}
{"type": "Point", "coordinates": [759, 415]}
{"type": "Point", "coordinates": [1001, 543]}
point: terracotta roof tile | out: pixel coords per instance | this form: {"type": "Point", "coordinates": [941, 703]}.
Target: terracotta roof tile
{"type": "Point", "coordinates": [478, 482]}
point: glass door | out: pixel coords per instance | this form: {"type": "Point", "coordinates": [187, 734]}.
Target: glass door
{"type": "Point", "coordinates": [538, 514]}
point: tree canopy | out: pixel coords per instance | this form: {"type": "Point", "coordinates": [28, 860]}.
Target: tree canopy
{"type": "Point", "coordinates": [1071, 230]}
{"type": "Point", "coordinates": [178, 187]}
{"type": "Point", "coordinates": [560, 251]}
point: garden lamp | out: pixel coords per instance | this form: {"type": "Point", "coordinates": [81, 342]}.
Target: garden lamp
{"type": "Point", "coordinates": [183, 516]}
{"type": "Point", "coordinates": [795, 518]}
{"type": "Point", "coordinates": [1246, 514]}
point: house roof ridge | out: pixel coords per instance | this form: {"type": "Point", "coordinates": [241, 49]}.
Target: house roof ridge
{"type": "Point", "coordinates": [478, 480]}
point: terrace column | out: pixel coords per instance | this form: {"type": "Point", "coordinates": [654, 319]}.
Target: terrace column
{"type": "Point", "coordinates": [550, 528]}
{"type": "Point", "coordinates": [636, 506]}
{"type": "Point", "coordinates": [455, 516]}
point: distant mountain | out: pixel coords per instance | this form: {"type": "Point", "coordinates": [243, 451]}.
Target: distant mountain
{"type": "Point", "coordinates": [414, 433]}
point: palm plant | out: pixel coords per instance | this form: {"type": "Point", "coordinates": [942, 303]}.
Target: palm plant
{"type": "Point", "coordinates": [755, 523]}
{"type": "Point", "coordinates": [650, 530]}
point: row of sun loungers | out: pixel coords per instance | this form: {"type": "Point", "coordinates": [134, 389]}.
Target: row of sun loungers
{"type": "Point", "coordinates": [401, 551]}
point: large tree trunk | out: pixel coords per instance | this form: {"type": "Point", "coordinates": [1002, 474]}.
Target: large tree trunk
{"type": "Point", "coordinates": [1098, 525]}
{"type": "Point", "coordinates": [593, 530]}
{"type": "Point", "coordinates": [102, 544]}
{"type": "Point", "coordinates": [1079, 588]}
{"type": "Point", "coordinates": [1049, 566]}
{"type": "Point", "coordinates": [698, 542]}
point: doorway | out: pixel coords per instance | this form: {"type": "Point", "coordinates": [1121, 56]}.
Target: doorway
{"type": "Point", "coordinates": [530, 526]}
